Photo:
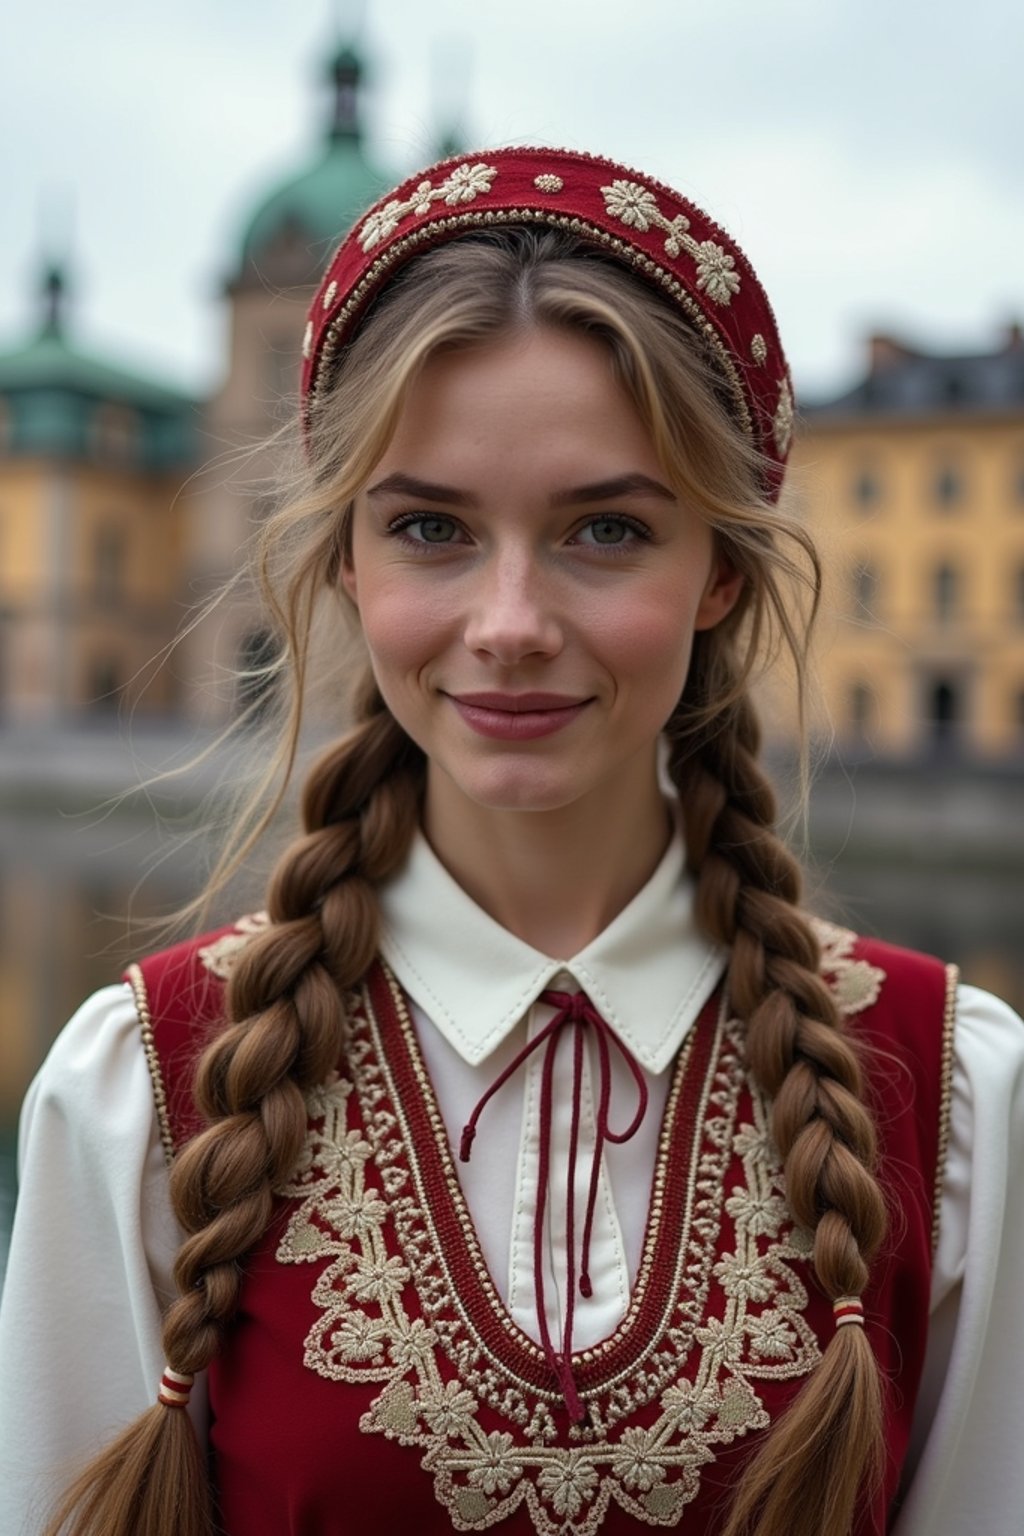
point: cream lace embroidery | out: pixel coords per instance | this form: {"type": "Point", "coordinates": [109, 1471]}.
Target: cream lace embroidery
{"type": "Point", "coordinates": [855, 984]}
{"type": "Point", "coordinates": [219, 956]}
{"type": "Point", "coordinates": [366, 1332]}
{"type": "Point", "coordinates": [463, 185]}
{"type": "Point", "coordinates": [782, 424]}
{"type": "Point", "coordinates": [636, 206]}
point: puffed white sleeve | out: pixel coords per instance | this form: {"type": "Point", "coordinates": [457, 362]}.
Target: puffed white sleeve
{"type": "Point", "coordinates": [92, 1249]}
{"type": "Point", "coordinates": [966, 1463]}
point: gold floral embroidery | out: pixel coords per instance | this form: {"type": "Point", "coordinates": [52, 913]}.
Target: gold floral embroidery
{"type": "Point", "coordinates": [368, 1328]}
{"type": "Point", "coordinates": [219, 956]}
{"type": "Point", "coordinates": [782, 424]}
{"type": "Point", "coordinates": [637, 207]}
{"type": "Point", "coordinates": [855, 984]}
{"type": "Point", "coordinates": [401, 249]}
{"type": "Point", "coordinates": [462, 185]}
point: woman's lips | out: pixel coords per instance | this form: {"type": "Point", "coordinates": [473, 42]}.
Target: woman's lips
{"type": "Point", "coordinates": [517, 716]}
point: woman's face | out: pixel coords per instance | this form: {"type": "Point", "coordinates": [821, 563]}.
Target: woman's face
{"type": "Point", "coordinates": [527, 583]}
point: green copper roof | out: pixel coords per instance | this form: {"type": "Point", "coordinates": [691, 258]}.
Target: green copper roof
{"type": "Point", "coordinates": [52, 400]}
{"type": "Point", "coordinates": [321, 202]}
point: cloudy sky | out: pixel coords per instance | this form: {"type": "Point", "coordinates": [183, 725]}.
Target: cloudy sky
{"type": "Point", "coordinates": [869, 154]}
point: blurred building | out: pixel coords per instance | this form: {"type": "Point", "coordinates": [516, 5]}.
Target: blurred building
{"type": "Point", "coordinates": [91, 539]}
{"type": "Point", "coordinates": [101, 556]}
{"type": "Point", "coordinates": [914, 481]}
{"type": "Point", "coordinates": [283, 250]}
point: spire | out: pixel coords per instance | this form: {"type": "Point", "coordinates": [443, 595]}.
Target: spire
{"type": "Point", "coordinates": [53, 290]}
{"type": "Point", "coordinates": [346, 74]}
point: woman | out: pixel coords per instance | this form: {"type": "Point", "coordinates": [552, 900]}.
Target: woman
{"type": "Point", "coordinates": [545, 1167]}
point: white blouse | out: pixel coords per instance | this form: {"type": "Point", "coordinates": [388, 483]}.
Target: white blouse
{"type": "Point", "coordinates": [94, 1237]}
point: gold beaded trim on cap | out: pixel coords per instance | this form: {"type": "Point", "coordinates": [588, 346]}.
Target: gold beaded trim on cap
{"type": "Point", "coordinates": [373, 275]}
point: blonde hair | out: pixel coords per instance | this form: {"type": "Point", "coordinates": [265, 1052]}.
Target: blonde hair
{"type": "Point", "coordinates": [361, 803]}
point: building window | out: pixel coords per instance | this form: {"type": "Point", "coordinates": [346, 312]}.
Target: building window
{"type": "Point", "coordinates": [945, 593]}
{"type": "Point", "coordinates": [104, 683]}
{"type": "Point", "coordinates": [945, 711]}
{"type": "Point", "coordinates": [865, 591]}
{"type": "Point", "coordinates": [862, 709]}
{"type": "Point", "coordinates": [867, 488]}
{"type": "Point", "coordinates": [948, 488]}
{"type": "Point", "coordinates": [108, 565]}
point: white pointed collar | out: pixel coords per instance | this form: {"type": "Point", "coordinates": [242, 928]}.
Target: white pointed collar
{"type": "Point", "coordinates": [648, 973]}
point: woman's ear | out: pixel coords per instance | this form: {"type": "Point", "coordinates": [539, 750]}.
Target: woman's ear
{"type": "Point", "coordinates": [720, 595]}
{"type": "Point", "coordinates": [347, 573]}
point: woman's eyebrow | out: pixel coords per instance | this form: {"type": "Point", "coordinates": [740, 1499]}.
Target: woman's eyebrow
{"type": "Point", "coordinates": [400, 484]}
{"type": "Point", "coordinates": [612, 490]}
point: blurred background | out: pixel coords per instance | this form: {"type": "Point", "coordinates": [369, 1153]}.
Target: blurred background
{"type": "Point", "coordinates": [173, 182]}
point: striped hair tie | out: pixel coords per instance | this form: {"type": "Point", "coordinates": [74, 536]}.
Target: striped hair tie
{"type": "Point", "coordinates": [174, 1388]}
{"type": "Point", "coordinates": [848, 1309]}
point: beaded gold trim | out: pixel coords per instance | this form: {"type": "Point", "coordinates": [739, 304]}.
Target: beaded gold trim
{"type": "Point", "coordinates": [138, 985]}
{"type": "Point", "coordinates": [945, 1098]}
{"type": "Point", "coordinates": [422, 236]}
{"type": "Point", "coordinates": [392, 1313]}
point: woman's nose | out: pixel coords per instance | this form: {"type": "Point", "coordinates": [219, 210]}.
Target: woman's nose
{"type": "Point", "coordinates": [512, 615]}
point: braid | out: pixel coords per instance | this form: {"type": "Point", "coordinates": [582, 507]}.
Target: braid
{"type": "Point", "coordinates": [805, 1479]}
{"type": "Point", "coordinates": [284, 1004]}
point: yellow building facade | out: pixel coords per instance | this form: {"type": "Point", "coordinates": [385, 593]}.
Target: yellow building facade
{"type": "Point", "coordinates": [92, 461]}
{"type": "Point", "coordinates": [914, 485]}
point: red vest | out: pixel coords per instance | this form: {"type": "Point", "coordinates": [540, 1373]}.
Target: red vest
{"type": "Point", "coordinates": [373, 1379]}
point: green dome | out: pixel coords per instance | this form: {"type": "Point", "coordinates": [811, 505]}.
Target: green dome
{"type": "Point", "coordinates": [321, 202]}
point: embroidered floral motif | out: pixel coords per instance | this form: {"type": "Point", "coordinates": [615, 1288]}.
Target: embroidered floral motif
{"type": "Point", "coordinates": [855, 984]}
{"type": "Point", "coordinates": [637, 207]}
{"type": "Point", "coordinates": [388, 1312]}
{"type": "Point", "coordinates": [220, 956]}
{"type": "Point", "coordinates": [330, 294]}
{"type": "Point", "coordinates": [548, 183]}
{"type": "Point", "coordinates": [307, 341]}
{"type": "Point", "coordinates": [758, 348]}
{"type": "Point", "coordinates": [782, 423]}
{"type": "Point", "coordinates": [715, 272]}
{"type": "Point", "coordinates": [462, 185]}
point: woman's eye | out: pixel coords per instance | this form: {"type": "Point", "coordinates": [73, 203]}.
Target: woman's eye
{"type": "Point", "coordinates": [611, 531]}
{"type": "Point", "coordinates": [427, 528]}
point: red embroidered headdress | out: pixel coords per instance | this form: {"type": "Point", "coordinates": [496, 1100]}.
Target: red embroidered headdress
{"type": "Point", "coordinates": [655, 231]}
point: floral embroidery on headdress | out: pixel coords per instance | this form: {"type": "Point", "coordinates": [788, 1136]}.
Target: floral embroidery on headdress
{"type": "Point", "coordinates": [462, 185]}
{"type": "Point", "coordinates": [782, 425]}
{"type": "Point", "coordinates": [637, 207]}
